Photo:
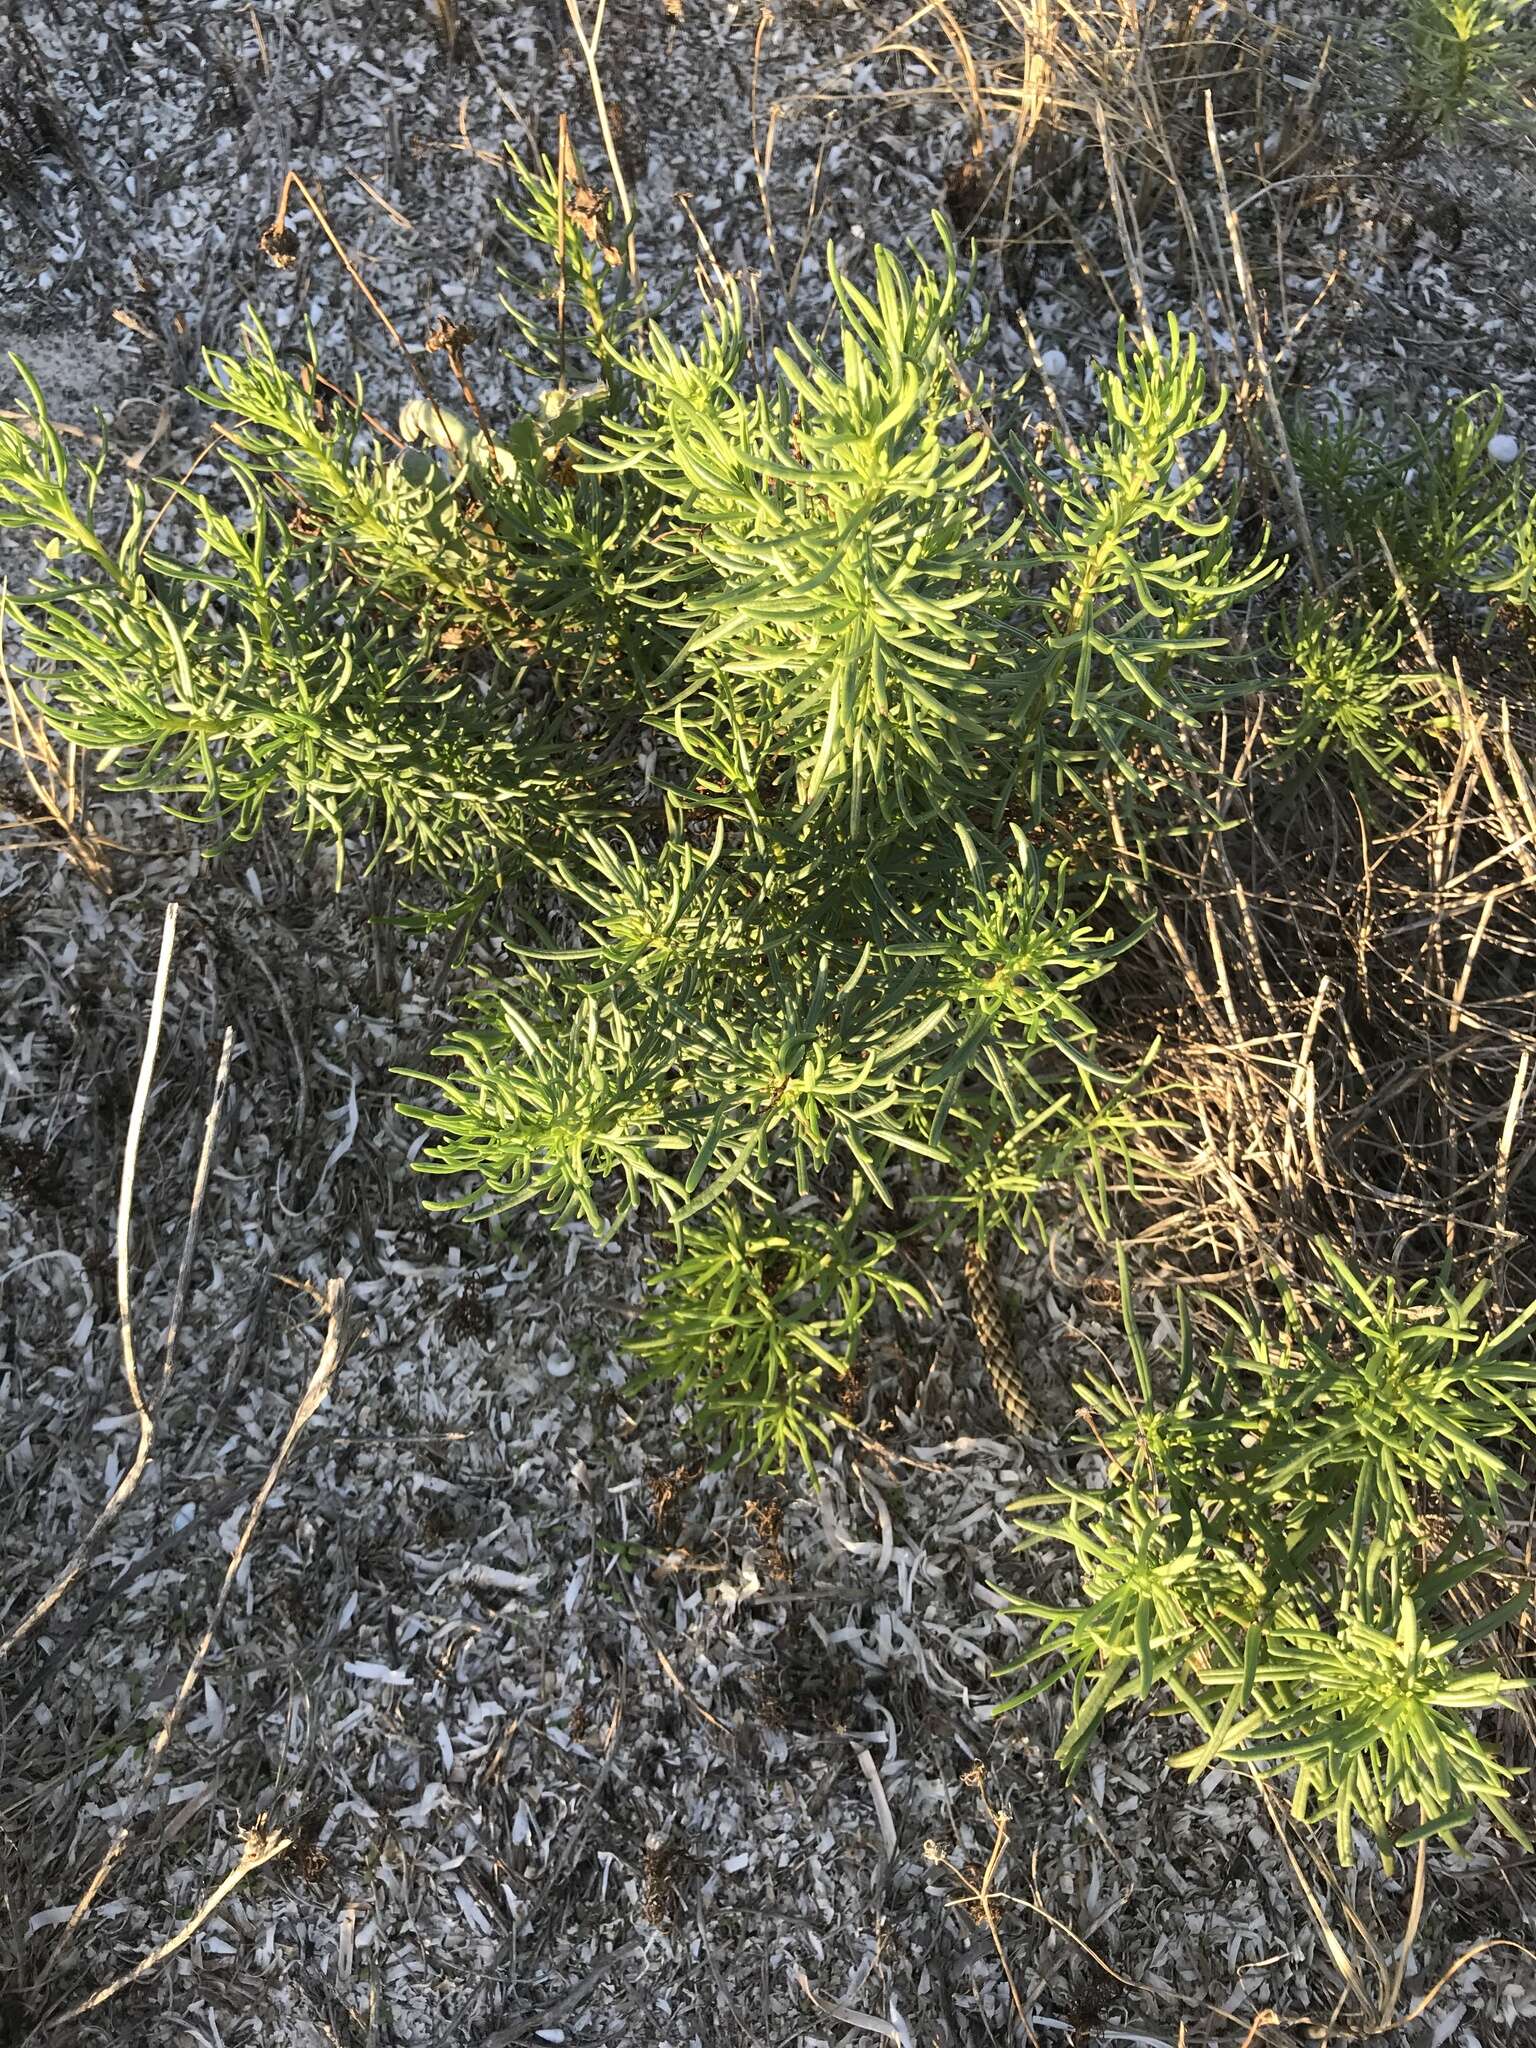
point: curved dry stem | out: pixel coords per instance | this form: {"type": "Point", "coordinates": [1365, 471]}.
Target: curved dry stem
{"type": "Point", "coordinates": [127, 1486]}
{"type": "Point", "coordinates": [314, 1393]}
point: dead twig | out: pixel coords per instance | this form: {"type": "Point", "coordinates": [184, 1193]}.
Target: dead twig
{"type": "Point", "coordinates": [128, 1485]}
{"type": "Point", "coordinates": [261, 1848]}
{"type": "Point", "coordinates": [588, 40]}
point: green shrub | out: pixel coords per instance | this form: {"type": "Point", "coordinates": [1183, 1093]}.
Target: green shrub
{"type": "Point", "coordinates": [848, 612]}
{"type": "Point", "coordinates": [1294, 1549]}
{"type": "Point", "coordinates": [308, 654]}
{"type": "Point", "coordinates": [757, 1324]}
{"type": "Point", "coordinates": [1141, 548]}
{"type": "Point", "coordinates": [855, 964]}
{"type": "Point", "coordinates": [1012, 1162]}
{"type": "Point", "coordinates": [1463, 60]}
{"type": "Point", "coordinates": [1425, 511]}
{"type": "Point", "coordinates": [749, 677]}
{"type": "Point", "coordinates": [761, 1016]}
{"type": "Point", "coordinates": [1347, 690]}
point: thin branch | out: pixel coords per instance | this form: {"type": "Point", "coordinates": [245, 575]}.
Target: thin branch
{"type": "Point", "coordinates": [127, 1486]}
{"type": "Point", "coordinates": [258, 1848]}
{"type": "Point", "coordinates": [610, 148]}
{"type": "Point", "coordinates": [314, 1393]}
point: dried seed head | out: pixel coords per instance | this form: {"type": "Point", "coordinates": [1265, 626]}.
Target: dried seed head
{"type": "Point", "coordinates": [666, 1491]}
{"type": "Point", "coordinates": [280, 244]}
{"type": "Point", "coordinates": [448, 337]}
{"type": "Point", "coordinates": [589, 210]}
{"type": "Point", "coordinates": [968, 185]}
{"type": "Point", "coordinates": [587, 206]}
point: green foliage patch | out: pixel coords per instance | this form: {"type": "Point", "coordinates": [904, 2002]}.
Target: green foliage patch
{"type": "Point", "coordinates": [755, 706]}
{"type": "Point", "coordinates": [758, 1321]}
{"type": "Point", "coordinates": [1278, 1545]}
{"type": "Point", "coordinates": [1463, 61]}
{"type": "Point", "coordinates": [780, 733]}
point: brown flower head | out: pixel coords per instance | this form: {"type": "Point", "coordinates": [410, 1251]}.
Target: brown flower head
{"type": "Point", "coordinates": [448, 337]}
{"type": "Point", "coordinates": [281, 244]}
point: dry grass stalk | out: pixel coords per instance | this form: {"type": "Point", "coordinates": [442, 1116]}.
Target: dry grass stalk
{"type": "Point", "coordinates": [260, 1846]}
{"type": "Point", "coordinates": [1344, 1007]}
{"type": "Point", "coordinates": [587, 40]}
{"type": "Point", "coordinates": [1369, 2008]}
{"type": "Point", "coordinates": [279, 243]}
{"type": "Point", "coordinates": [1372, 1979]}
{"type": "Point", "coordinates": [1127, 76]}
{"type": "Point", "coordinates": [52, 776]}
{"type": "Point", "coordinates": [978, 1895]}
{"type": "Point", "coordinates": [1255, 324]}
{"type": "Point", "coordinates": [143, 1410]}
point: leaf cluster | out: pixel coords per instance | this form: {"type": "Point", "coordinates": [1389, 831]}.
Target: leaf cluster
{"type": "Point", "coordinates": [1463, 61]}
{"type": "Point", "coordinates": [758, 1013]}
{"type": "Point", "coordinates": [1142, 554]}
{"type": "Point", "coordinates": [848, 608]}
{"type": "Point", "coordinates": [1293, 1548]}
{"type": "Point", "coordinates": [1350, 691]}
{"type": "Point", "coordinates": [304, 652]}
{"type": "Point", "coordinates": [757, 1323]}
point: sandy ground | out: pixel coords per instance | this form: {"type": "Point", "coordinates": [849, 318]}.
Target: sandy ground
{"type": "Point", "coordinates": [564, 1760]}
